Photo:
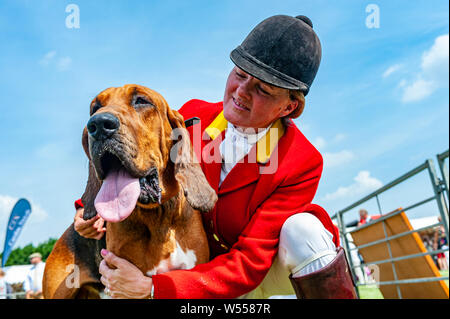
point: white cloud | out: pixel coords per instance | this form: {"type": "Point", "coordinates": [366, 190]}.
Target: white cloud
{"type": "Point", "coordinates": [319, 142]}
{"type": "Point", "coordinates": [391, 70]}
{"type": "Point", "coordinates": [6, 204]}
{"type": "Point", "coordinates": [48, 57]}
{"type": "Point", "coordinates": [38, 214]}
{"type": "Point", "coordinates": [337, 158]}
{"type": "Point", "coordinates": [418, 90]}
{"type": "Point", "coordinates": [333, 159]}
{"type": "Point", "coordinates": [363, 184]}
{"type": "Point", "coordinates": [433, 72]}
{"type": "Point", "coordinates": [402, 83]}
{"type": "Point", "coordinates": [61, 64]}
{"type": "Point", "coordinates": [435, 59]}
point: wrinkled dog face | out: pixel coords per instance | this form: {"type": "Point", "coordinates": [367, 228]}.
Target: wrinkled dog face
{"type": "Point", "coordinates": [129, 131]}
{"type": "Point", "coordinates": [130, 140]}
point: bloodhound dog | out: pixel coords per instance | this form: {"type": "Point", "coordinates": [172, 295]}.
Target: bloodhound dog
{"type": "Point", "coordinates": [145, 183]}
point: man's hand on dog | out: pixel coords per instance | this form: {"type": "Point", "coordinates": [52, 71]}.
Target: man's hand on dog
{"type": "Point", "coordinates": [122, 279]}
{"type": "Point", "coordinates": [91, 228]}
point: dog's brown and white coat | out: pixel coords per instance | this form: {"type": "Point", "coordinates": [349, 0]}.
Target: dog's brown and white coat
{"type": "Point", "coordinates": [131, 133]}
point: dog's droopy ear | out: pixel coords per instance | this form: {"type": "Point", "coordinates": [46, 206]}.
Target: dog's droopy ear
{"type": "Point", "coordinates": [188, 172]}
{"type": "Point", "coordinates": [93, 184]}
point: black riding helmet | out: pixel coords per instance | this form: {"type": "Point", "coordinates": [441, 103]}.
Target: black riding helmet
{"type": "Point", "coordinates": [283, 51]}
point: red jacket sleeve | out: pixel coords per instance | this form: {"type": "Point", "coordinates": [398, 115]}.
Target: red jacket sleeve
{"type": "Point", "coordinates": [244, 267]}
{"type": "Point", "coordinates": [78, 204]}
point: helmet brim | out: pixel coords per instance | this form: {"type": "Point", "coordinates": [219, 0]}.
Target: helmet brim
{"type": "Point", "coordinates": [265, 73]}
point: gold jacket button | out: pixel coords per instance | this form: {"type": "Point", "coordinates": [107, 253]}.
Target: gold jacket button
{"type": "Point", "coordinates": [215, 237]}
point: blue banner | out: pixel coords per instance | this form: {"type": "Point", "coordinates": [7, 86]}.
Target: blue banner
{"type": "Point", "coordinates": [17, 219]}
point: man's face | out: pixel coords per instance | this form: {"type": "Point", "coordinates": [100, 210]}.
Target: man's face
{"type": "Point", "coordinates": [252, 103]}
{"type": "Point", "coordinates": [35, 260]}
{"type": "Point", "coordinates": [362, 214]}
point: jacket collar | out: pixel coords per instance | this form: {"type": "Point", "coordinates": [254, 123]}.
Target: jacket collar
{"type": "Point", "coordinates": [264, 146]}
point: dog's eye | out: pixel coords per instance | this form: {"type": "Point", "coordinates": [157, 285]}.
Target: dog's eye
{"type": "Point", "coordinates": [96, 106]}
{"type": "Point", "coordinates": [141, 100]}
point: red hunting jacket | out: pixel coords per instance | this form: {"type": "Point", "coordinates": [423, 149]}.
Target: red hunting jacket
{"type": "Point", "coordinates": [244, 227]}
{"type": "Point", "coordinates": [278, 178]}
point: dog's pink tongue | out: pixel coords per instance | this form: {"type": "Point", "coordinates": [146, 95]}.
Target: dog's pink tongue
{"type": "Point", "coordinates": [118, 196]}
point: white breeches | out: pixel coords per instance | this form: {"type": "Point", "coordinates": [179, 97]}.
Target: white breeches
{"type": "Point", "coordinates": [305, 246]}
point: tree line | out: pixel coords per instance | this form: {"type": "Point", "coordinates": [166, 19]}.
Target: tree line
{"type": "Point", "coordinates": [19, 256]}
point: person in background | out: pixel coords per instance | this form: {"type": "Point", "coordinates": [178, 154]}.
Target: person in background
{"type": "Point", "coordinates": [364, 217]}
{"type": "Point", "coordinates": [440, 242]}
{"type": "Point", "coordinates": [33, 283]}
{"type": "Point", "coordinates": [3, 285]}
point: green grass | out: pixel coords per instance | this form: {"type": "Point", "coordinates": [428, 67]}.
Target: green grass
{"type": "Point", "coordinates": [372, 292]}
{"type": "Point", "coordinates": [369, 292]}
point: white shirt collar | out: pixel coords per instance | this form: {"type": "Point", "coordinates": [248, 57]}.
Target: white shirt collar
{"type": "Point", "coordinates": [236, 145]}
{"type": "Point", "coordinates": [249, 134]}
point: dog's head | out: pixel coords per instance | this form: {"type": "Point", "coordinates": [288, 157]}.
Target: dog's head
{"type": "Point", "coordinates": [129, 140]}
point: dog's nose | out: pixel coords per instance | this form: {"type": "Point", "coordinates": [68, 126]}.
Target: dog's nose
{"type": "Point", "coordinates": [102, 126]}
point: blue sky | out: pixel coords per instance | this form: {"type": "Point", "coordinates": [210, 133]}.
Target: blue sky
{"type": "Point", "coordinates": [379, 105]}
